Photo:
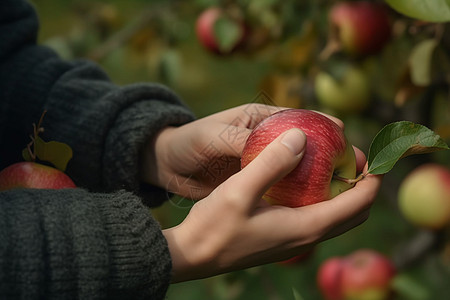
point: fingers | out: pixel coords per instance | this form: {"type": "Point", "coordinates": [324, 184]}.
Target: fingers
{"type": "Point", "coordinates": [350, 205]}
{"type": "Point", "coordinates": [273, 163]}
{"type": "Point", "coordinates": [247, 115]}
{"type": "Point", "coordinates": [360, 159]}
{"type": "Point", "coordinates": [230, 139]}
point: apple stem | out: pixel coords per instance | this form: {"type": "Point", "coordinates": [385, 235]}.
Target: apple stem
{"type": "Point", "coordinates": [348, 180]}
{"type": "Point", "coordinates": [332, 46]}
{"type": "Point", "coordinates": [36, 130]}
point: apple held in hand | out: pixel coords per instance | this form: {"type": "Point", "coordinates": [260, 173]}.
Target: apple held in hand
{"type": "Point", "coordinates": [33, 175]}
{"type": "Point", "coordinates": [327, 153]}
{"type": "Point", "coordinates": [424, 196]}
{"type": "Point", "coordinates": [361, 27]}
{"type": "Point", "coordinates": [364, 275]}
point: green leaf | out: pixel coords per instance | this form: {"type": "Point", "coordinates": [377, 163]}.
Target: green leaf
{"type": "Point", "coordinates": [410, 288]}
{"type": "Point", "coordinates": [297, 295]}
{"type": "Point", "coordinates": [228, 33]}
{"type": "Point", "coordinates": [398, 140]}
{"type": "Point", "coordinates": [427, 10]}
{"type": "Point", "coordinates": [420, 62]}
{"type": "Point", "coordinates": [56, 153]}
{"type": "Point", "coordinates": [26, 154]}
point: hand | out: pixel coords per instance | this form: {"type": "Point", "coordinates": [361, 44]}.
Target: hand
{"type": "Point", "coordinates": [233, 228]}
{"type": "Point", "coordinates": [195, 158]}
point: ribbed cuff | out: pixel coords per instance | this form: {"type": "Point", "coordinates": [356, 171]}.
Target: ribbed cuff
{"type": "Point", "coordinates": [140, 265]}
{"type": "Point", "coordinates": [135, 125]}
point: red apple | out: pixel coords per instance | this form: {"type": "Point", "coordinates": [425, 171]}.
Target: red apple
{"type": "Point", "coordinates": [362, 27]}
{"type": "Point", "coordinates": [327, 153]}
{"type": "Point", "coordinates": [364, 274]}
{"type": "Point", "coordinates": [33, 175]}
{"type": "Point", "coordinates": [424, 196]}
{"type": "Point", "coordinates": [219, 40]}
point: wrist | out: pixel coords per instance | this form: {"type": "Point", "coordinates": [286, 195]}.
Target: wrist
{"type": "Point", "coordinates": [154, 158]}
{"type": "Point", "coordinates": [191, 253]}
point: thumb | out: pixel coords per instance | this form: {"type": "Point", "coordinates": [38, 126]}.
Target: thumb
{"type": "Point", "coordinates": [279, 158]}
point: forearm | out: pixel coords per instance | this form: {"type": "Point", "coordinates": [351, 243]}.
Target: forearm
{"type": "Point", "coordinates": [81, 245]}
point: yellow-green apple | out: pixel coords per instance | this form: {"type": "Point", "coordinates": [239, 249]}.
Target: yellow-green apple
{"type": "Point", "coordinates": [33, 175]}
{"type": "Point", "coordinates": [361, 27]}
{"type": "Point", "coordinates": [350, 93]}
{"type": "Point", "coordinates": [364, 274]}
{"type": "Point", "coordinates": [424, 196]}
{"type": "Point", "coordinates": [219, 32]}
{"type": "Point", "coordinates": [327, 153]}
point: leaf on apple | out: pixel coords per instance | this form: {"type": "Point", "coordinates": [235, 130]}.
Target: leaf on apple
{"type": "Point", "coordinates": [398, 140]}
{"type": "Point", "coordinates": [56, 153]}
{"type": "Point", "coordinates": [228, 33]}
{"type": "Point", "coordinates": [432, 11]}
{"type": "Point", "coordinates": [420, 62]}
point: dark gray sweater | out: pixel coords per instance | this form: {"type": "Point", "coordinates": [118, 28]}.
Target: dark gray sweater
{"type": "Point", "coordinates": [98, 241]}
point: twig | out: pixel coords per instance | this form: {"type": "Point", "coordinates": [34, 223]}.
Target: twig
{"type": "Point", "coordinates": [123, 36]}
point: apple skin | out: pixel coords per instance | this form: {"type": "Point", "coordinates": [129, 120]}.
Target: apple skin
{"type": "Point", "coordinates": [204, 29]}
{"type": "Point", "coordinates": [349, 94]}
{"type": "Point", "coordinates": [33, 175]}
{"type": "Point", "coordinates": [363, 27]}
{"type": "Point", "coordinates": [327, 152]}
{"type": "Point", "coordinates": [424, 196]}
{"type": "Point", "coordinates": [365, 274]}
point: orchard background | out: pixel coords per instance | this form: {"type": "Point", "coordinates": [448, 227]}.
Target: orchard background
{"type": "Point", "coordinates": [286, 47]}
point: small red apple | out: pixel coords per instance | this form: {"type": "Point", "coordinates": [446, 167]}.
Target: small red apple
{"type": "Point", "coordinates": [362, 27]}
{"type": "Point", "coordinates": [216, 38]}
{"type": "Point", "coordinates": [364, 274]}
{"type": "Point", "coordinates": [424, 196]}
{"type": "Point", "coordinates": [327, 153]}
{"type": "Point", "coordinates": [33, 175]}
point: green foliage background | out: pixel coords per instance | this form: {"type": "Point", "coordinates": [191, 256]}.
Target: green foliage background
{"type": "Point", "coordinates": [283, 66]}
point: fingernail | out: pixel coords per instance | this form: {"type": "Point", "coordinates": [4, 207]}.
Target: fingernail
{"type": "Point", "coordinates": [295, 140]}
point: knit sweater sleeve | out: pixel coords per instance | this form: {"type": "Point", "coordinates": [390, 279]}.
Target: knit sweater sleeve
{"type": "Point", "coordinates": [73, 244]}
{"type": "Point", "coordinates": [97, 241]}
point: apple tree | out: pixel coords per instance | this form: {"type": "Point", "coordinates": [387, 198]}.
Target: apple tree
{"type": "Point", "coordinates": [370, 63]}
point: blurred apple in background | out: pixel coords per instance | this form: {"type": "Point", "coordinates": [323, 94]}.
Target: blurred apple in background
{"type": "Point", "coordinates": [424, 196]}
{"type": "Point", "coordinates": [218, 31]}
{"type": "Point", "coordinates": [346, 90]}
{"type": "Point", "coordinates": [364, 274]}
{"type": "Point", "coordinates": [33, 175]}
{"type": "Point", "coordinates": [361, 27]}
{"type": "Point", "coordinates": [327, 153]}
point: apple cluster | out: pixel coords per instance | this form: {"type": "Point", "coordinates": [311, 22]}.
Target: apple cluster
{"type": "Point", "coordinates": [358, 29]}
{"type": "Point", "coordinates": [363, 274]}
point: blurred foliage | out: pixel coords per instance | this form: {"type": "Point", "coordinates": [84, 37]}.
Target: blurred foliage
{"type": "Point", "coordinates": [138, 40]}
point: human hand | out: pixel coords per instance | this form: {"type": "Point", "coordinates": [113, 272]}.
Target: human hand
{"type": "Point", "coordinates": [233, 228]}
{"type": "Point", "coordinates": [193, 159]}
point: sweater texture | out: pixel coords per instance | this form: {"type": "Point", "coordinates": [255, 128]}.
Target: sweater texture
{"type": "Point", "coordinates": [98, 241]}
